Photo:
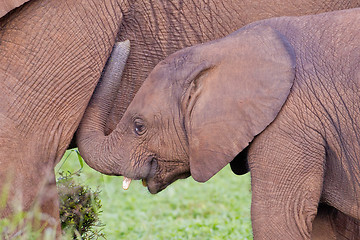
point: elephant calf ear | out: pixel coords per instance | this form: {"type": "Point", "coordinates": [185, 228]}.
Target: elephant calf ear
{"type": "Point", "coordinates": [8, 5]}
{"type": "Point", "coordinates": [235, 100]}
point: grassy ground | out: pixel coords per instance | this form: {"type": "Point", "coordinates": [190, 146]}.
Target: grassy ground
{"type": "Point", "coordinates": [217, 209]}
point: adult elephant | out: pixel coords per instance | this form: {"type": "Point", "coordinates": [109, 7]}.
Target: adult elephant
{"type": "Point", "coordinates": [51, 56]}
{"type": "Point", "coordinates": [287, 89]}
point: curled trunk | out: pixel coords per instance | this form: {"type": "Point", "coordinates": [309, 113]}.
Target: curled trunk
{"type": "Point", "coordinates": [92, 141]}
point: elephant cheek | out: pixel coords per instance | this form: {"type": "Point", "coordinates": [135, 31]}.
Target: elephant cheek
{"type": "Point", "coordinates": [139, 167]}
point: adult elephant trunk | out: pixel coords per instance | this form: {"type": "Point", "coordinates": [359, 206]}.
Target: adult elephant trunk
{"type": "Point", "coordinates": [94, 145]}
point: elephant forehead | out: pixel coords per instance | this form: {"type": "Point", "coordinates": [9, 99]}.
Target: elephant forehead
{"type": "Point", "coordinates": [153, 95]}
{"type": "Point", "coordinates": [171, 69]}
{"type": "Point", "coordinates": [162, 84]}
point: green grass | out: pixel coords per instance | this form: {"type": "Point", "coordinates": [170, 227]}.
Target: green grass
{"type": "Point", "coordinates": [217, 209]}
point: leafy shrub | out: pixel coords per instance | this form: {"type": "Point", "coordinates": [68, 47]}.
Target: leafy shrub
{"type": "Point", "coordinates": [79, 212]}
{"type": "Point", "coordinates": [79, 208]}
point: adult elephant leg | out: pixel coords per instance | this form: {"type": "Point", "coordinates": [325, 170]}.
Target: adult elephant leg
{"type": "Point", "coordinates": [286, 179]}
{"type": "Point", "coordinates": [27, 181]}
{"type": "Point", "coordinates": [52, 55]}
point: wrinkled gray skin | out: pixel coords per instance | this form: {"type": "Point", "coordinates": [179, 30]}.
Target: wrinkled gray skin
{"type": "Point", "coordinates": [52, 53]}
{"type": "Point", "coordinates": [287, 85]}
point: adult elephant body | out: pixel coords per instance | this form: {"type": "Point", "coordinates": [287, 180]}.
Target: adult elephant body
{"type": "Point", "coordinates": [51, 56]}
{"type": "Point", "coordinates": [283, 91]}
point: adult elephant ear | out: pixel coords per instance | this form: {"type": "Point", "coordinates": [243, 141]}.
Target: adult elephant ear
{"type": "Point", "coordinates": [237, 89]}
{"type": "Point", "coordinates": [8, 5]}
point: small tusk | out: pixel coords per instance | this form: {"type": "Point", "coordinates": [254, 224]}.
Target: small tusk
{"type": "Point", "coordinates": [126, 183]}
{"type": "Point", "coordinates": [144, 183]}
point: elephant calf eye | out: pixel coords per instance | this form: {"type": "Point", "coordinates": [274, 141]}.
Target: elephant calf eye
{"type": "Point", "coordinates": [139, 127]}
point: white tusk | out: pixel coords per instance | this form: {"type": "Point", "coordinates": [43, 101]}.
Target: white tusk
{"type": "Point", "coordinates": [126, 183]}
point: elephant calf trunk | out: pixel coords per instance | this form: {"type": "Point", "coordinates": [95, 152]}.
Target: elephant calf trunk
{"type": "Point", "coordinates": [91, 138]}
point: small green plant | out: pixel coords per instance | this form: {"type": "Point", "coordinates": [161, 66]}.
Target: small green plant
{"type": "Point", "coordinates": [79, 207]}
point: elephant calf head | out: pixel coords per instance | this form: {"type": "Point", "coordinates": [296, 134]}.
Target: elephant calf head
{"type": "Point", "coordinates": [200, 107]}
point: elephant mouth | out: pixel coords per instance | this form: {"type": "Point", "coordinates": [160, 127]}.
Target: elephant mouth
{"type": "Point", "coordinates": [154, 180]}
{"type": "Point", "coordinates": [151, 170]}
{"type": "Point", "coordinates": [156, 184]}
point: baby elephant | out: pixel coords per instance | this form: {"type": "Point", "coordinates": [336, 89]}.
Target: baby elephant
{"type": "Point", "coordinates": [283, 92]}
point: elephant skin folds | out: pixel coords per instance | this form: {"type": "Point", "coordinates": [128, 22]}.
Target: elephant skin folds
{"type": "Point", "coordinates": [286, 88]}
{"type": "Point", "coordinates": [52, 55]}
{"type": "Point", "coordinates": [53, 52]}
